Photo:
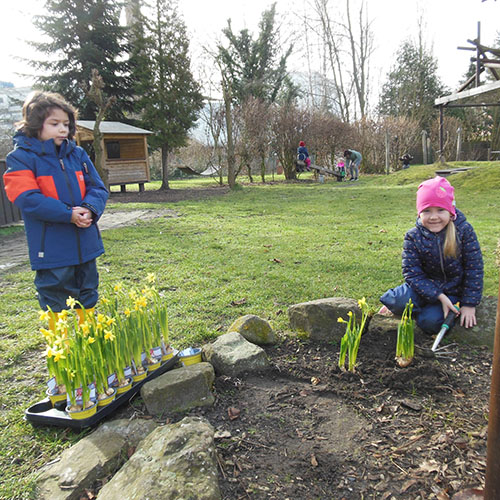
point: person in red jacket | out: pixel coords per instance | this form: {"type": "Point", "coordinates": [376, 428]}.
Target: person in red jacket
{"type": "Point", "coordinates": [61, 198]}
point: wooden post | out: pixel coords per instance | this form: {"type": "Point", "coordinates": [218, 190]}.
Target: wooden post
{"type": "Point", "coordinates": [387, 152]}
{"type": "Point", "coordinates": [478, 54]}
{"type": "Point", "coordinates": [492, 485]}
{"type": "Point", "coordinates": [441, 134]}
{"type": "Point", "coordinates": [425, 150]}
{"type": "Point", "coordinates": [459, 142]}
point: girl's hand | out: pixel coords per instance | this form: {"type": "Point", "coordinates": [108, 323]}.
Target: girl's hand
{"type": "Point", "coordinates": [447, 305]}
{"type": "Point", "coordinates": [468, 316]}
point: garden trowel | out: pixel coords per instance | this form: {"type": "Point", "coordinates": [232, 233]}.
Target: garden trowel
{"type": "Point", "coordinates": [447, 325]}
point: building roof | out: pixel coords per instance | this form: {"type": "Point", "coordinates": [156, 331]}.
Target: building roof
{"type": "Point", "coordinates": [112, 127]}
{"type": "Point", "coordinates": [486, 95]}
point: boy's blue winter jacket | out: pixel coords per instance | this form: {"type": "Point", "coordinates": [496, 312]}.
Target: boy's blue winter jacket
{"type": "Point", "coordinates": [46, 184]}
{"type": "Point", "coordinates": [429, 274]}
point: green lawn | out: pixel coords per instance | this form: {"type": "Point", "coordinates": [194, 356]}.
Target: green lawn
{"type": "Point", "coordinates": [256, 250]}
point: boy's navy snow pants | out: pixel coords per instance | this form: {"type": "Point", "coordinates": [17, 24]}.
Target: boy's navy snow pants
{"type": "Point", "coordinates": [428, 315]}
{"type": "Point", "coordinates": [54, 286]}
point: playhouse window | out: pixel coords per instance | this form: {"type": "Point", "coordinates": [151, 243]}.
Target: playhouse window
{"type": "Point", "coordinates": [113, 149]}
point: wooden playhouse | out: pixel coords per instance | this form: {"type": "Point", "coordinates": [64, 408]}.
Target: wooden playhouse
{"type": "Point", "coordinates": [125, 151]}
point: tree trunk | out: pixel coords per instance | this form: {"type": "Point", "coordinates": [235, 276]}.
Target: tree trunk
{"type": "Point", "coordinates": [99, 153]}
{"type": "Point", "coordinates": [164, 168]}
{"type": "Point", "coordinates": [249, 170]}
{"type": "Point", "coordinates": [231, 159]}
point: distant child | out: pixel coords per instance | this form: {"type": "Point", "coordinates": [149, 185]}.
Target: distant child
{"type": "Point", "coordinates": [406, 159]}
{"type": "Point", "coordinates": [442, 262]}
{"type": "Point", "coordinates": [303, 155]}
{"type": "Point", "coordinates": [61, 198]}
{"type": "Point", "coordinates": [341, 168]}
{"type": "Point", "coordinates": [353, 159]}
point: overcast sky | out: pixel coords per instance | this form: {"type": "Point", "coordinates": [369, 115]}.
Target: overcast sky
{"type": "Point", "coordinates": [447, 24]}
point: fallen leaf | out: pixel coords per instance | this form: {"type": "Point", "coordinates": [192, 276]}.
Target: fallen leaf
{"type": "Point", "coordinates": [130, 451]}
{"type": "Point", "coordinates": [314, 462]}
{"type": "Point", "coordinates": [233, 413]}
{"type": "Point", "coordinates": [222, 435]}
{"type": "Point", "coordinates": [314, 380]}
{"type": "Point", "coordinates": [277, 260]}
{"type": "Point", "coordinates": [383, 231]}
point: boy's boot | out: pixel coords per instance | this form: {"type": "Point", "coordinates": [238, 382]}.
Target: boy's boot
{"type": "Point", "coordinates": [81, 314]}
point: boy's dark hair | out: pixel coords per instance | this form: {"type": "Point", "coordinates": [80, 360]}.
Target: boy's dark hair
{"type": "Point", "coordinates": [347, 153]}
{"type": "Point", "coordinates": [36, 109]}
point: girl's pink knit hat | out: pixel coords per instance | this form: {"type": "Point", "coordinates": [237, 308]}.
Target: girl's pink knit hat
{"type": "Point", "coordinates": [437, 192]}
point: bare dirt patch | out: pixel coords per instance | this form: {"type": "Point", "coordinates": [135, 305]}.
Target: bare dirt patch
{"type": "Point", "coordinates": [309, 430]}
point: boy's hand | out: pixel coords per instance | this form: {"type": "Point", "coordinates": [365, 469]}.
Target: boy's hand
{"type": "Point", "coordinates": [81, 217]}
{"type": "Point", "coordinates": [468, 316]}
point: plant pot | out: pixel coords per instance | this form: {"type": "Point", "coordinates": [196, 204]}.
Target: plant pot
{"type": "Point", "coordinates": [124, 388]}
{"type": "Point", "coordinates": [140, 376]}
{"type": "Point", "coordinates": [151, 367]}
{"type": "Point", "coordinates": [82, 414]}
{"type": "Point", "coordinates": [190, 356]}
{"type": "Point", "coordinates": [56, 398]}
{"type": "Point", "coordinates": [108, 399]}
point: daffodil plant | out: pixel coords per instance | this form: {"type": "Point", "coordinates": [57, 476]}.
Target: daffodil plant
{"type": "Point", "coordinates": [86, 347]}
{"type": "Point", "coordinates": [405, 347]}
{"type": "Point", "coordinates": [349, 344]}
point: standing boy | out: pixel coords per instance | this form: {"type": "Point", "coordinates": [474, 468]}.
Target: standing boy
{"type": "Point", "coordinates": [61, 198]}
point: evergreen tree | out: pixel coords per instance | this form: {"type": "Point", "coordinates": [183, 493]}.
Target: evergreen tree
{"type": "Point", "coordinates": [84, 35]}
{"type": "Point", "coordinates": [412, 85]}
{"type": "Point", "coordinates": [255, 67]}
{"type": "Point", "coordinates": [168, 97]}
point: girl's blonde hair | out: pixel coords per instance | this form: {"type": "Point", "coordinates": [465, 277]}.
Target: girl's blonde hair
{"type": "Point", "coordinates": [450, 241]}
{"type": "Point", "coordinates": [37, 108]}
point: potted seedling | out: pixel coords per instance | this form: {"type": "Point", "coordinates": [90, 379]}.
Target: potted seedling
{"type": "Point", "coordinates": [405, 344]}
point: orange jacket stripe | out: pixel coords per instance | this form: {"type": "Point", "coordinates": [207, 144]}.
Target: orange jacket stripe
{"type": "Point", "coordinates": [19, 181]}
{"type": "Point", "coordinates": [47, 186]}
{"type": "Point", "coordinates": [81, 182]}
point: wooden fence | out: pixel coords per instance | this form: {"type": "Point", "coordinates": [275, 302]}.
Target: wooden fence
{"type": "Point", "coordinates": [8, 212]}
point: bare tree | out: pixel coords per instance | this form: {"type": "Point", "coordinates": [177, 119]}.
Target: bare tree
{"type": "Point", "coordinates": [348, 50]}
{"type": "Point", "coordinates": [96, 96]}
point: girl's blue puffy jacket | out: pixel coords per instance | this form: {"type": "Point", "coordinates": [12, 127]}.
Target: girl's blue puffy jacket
{"type": "Point", "coordinates": [46, 184]}
{"type": "Point", "coordinates": [429, 274]}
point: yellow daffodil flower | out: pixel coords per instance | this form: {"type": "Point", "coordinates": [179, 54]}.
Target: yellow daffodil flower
{"type": "Point", "coordinates": [91, 340]}
{"type": "Point", "coordinates": [110, 321]}
{"type": "Point", "coordinates": [46, 333]}
{"type": "Point", "coordinates": [85, 328]}
{"type": "Point", "coordinates": [349, 314]}
{"type": "Point", "coordinates": [71, 302]}
{"type": "Point", "coordinates": [49, 352]}
{"type": "Point", "coordinates": [104, 300]}
{"type": "Point", "coordinates": [127, 312]}
{"type": "Point", "coordinates": [341, 320]}
{"type": "Point", "coordinates": [59, 354]}
{"type": "Point", "coordinates": [63, 314]}
{"type": "Point", "coordinates": [118, 287]}
{"type": "Point", "coordinates": [108, 335]}
{"type": "Point", "coordinates": [44, 315]}
{"type": "Point", "coordinates": [151, 278]}
{"type": "Point", "coordinates": [362, 303]}
{"type": "Point", "coordinates": [101, 318]}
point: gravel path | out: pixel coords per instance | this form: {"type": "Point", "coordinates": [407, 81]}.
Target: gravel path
{"type": "Point", "coordinates": [14, 250]}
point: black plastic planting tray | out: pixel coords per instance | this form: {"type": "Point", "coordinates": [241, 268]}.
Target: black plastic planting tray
{"type": "Point", "coordinates": [43, 413]}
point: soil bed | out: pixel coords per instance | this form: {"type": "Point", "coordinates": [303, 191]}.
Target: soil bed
{"type": "Point", "coordinates": [308, 430]}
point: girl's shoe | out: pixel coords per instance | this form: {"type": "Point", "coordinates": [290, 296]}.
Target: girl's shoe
{"type": "Point", "coordinates": [383, 311]}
